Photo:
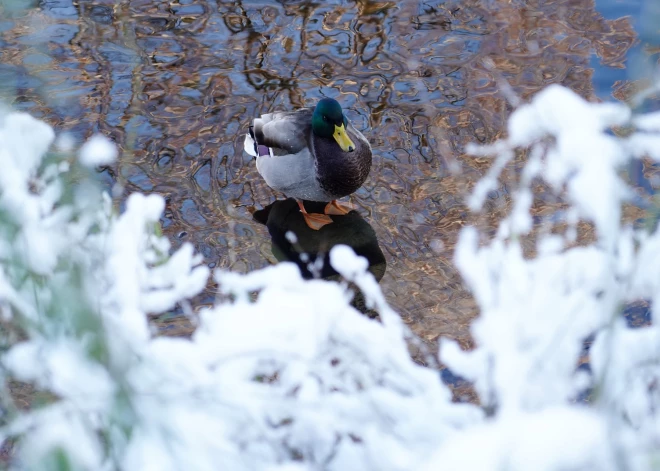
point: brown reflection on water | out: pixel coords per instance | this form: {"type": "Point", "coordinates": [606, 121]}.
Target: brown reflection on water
{"type": "Point", "coordinates": [176, 84]}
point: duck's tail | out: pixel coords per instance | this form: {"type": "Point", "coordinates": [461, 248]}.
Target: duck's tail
{"type": "Point", "coordinates": [250, 144]}
{"type": "Point", "coordinates": [252, 147]}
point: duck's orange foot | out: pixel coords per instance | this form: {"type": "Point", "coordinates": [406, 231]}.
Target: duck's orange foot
{"type": "Point", "coordinates": [337, 209]}
{"type": "Point", "coordinates": [317, 221]}
{"type": "Point", "coordinates": [314, 220]}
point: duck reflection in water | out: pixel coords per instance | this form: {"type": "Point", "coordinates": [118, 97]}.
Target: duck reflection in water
{"type": "Point", "coordinates": [294, 241]}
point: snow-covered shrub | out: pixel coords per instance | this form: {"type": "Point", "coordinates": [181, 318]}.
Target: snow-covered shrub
{"type": "Point", "coordinates": [75, 284]}
{"type": "Point", "coordinates": [282, 373]}
{"type": "Point", "coordinates": [294, 378]}
{"type": "Point", "coordinates": [536, 312]}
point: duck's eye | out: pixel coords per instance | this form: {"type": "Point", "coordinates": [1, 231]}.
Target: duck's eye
{"type": "Point", "coordinates": [325, 118]}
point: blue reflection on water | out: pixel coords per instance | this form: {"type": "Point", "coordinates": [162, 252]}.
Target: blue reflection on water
{"type": "Point", "coordinates": [644, 16]}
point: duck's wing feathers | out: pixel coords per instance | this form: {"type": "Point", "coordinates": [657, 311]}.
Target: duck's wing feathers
{"type": "Point", "coordinates": [288, 131]}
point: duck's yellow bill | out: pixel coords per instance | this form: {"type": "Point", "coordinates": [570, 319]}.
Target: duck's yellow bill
{"type": "Point", "coordinates": [342, 139]}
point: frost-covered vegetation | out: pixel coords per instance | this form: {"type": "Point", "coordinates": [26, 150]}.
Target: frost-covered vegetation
{"type": "Point", "coordinates": [274, 379]}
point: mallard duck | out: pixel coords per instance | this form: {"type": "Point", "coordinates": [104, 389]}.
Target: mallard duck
{"type": "Point", "coordinates": [314, 155]}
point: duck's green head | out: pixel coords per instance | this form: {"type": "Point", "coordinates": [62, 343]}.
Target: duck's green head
{"type": "Point", "coordinates": [329, 121]}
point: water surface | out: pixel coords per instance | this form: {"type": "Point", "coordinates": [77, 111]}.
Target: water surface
{"type": "Point", "coordinates": [176, 84]}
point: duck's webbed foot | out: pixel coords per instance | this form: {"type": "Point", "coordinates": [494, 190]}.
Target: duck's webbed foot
{"type": "Point", "coordinates": [338, 209]}
{"type": "Point", "coordinates": [314, 220]}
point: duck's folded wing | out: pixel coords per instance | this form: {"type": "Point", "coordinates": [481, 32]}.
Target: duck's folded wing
{"type": "Point", "coordinates": [288, 131]}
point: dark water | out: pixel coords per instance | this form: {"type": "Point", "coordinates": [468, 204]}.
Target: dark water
{"type": "Point", "coordinates": [176, 84]}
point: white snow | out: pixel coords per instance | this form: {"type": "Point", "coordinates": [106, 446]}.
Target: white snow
{"type": "Point", "coordinates": [556, 438]}
{"type": "Point", "coordinates": [283, 374]}
{"type": "Point", "coordinates": [98, 150]}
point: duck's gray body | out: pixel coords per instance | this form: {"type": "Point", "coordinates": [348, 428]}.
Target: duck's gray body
{"type": "Point", "coordinates": [300, 164]}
